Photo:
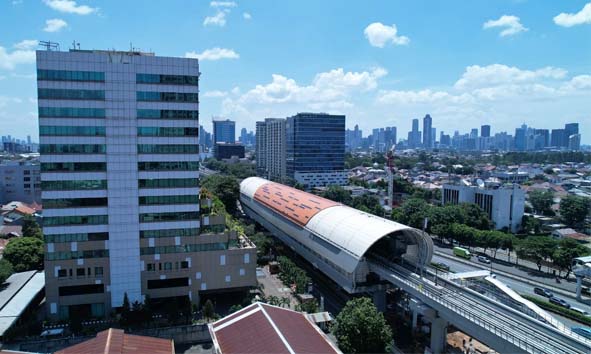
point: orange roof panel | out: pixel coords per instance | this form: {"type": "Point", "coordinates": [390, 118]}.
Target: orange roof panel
{"type": "Point", "coordinates": [296, 205]}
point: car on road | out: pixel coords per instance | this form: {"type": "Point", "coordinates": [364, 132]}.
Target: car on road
{"type": "Point", "coordinates": [581, 311]}
{"type": "Point", "coordinates": [483, 259]}
{"type": "Point", "coordinates": [544, 292]}
{"type": "Point", "coordinates": [582, 331]}
{"type": "Point", "coordinates": [442, 266]}
{"type": "Point", "coordinates": [560, 302]}
{"type": "Point", "coordinates": [462, 252]}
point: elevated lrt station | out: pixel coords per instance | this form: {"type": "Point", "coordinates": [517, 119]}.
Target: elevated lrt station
{"type": "Point", "coordinates": [365, 254]}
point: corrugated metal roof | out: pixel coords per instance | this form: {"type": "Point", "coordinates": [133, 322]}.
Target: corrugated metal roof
{"type": "Point", "coordinates": [14, 299]}
{"type": "Point", "coordinates": [115, 341]}
{"type": "Point", "coordinates": [292, 203]}
{"type": "Point", "coordinates": [262, 328]}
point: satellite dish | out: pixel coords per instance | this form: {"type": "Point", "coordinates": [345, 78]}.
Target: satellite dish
{"type": "Point", "coordinates": [480, 183]}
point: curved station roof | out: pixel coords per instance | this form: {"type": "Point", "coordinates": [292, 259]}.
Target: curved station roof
{"type": "Point", "coordinates": [349, 229]}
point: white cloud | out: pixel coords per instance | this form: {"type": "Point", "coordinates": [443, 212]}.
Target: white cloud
{"type": "Point", "coordinates": [219, 19]}
{"type": "Point", "coordinates": [246, 16]}
{"type": "Point", "coordinates": [70, 6]}
{"type": "Point", "coordinates": [213, 54]}
{"type": "Point", "coordinates": [580, 18]}
{"type": "Point", "coordinates": [379, 35]}
{"type": "Point", "coordinates": [223, 4]}
{"type": "Point", "coordinates": [55, 25]}
{"type": "Point", "coordinates": [420, 96]}
{"type": "Point", "coordinates": [215, 94]}
{"type": "Point", "coordinates": [333, 90]}
{"type": "Point", "coordinates": [578, 83]}
{"type": "Point", "coordinates": [497, 74]}
{"type": "Point", "coordinates": [510, 25]}
{"type": "Point", "coordinates": [27, 44]}
{"type": "Point", "coordinates": [23, 54]}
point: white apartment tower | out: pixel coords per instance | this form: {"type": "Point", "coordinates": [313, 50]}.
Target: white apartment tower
{"type": "Point", "coordinates": [121, 198]}
{"type": "Point", "coordinates": [270, 148]}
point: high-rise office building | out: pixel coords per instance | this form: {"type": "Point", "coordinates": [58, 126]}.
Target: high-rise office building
{"type": "Point", "coordinates": [558, 138]}
{"type": "Point", "coordinates": [427, 124]}
{"type": "Point", "coordinates": [414, 136]}
{"type": "Point", "coordinates": [574, 142]}
{"type": "Point", "coordinates": [224, 131]}
{"type": "Point", "coordinates": [521, 138]}
{"type": "Point", "coordinates": [316, 149]}
{"type": "Point", "coordinates": [485, 131]}
{"type": "Point", "coordinates": [271, 149]}
{"type": "Point", "coordinates": [123, 212]}
{"type": "Point", "coordinates": [571, 129]}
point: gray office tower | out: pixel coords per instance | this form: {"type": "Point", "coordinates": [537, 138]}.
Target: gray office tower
{"type": "Point", "coordinates": [485, 131]}
{"type": "Point", "coordinates": [120, 173]}
{"type": "Point", "coordinates": [427, 139]}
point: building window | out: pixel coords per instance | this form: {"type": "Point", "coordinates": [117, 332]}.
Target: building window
{"type": "Point", "coordinates": [75, 203]}
{"type": "Point", "coordinates": [80, 272]}
{"type": "Point", "coordinates": [223, 259]}
{"type": "Point", "coordinates": [167, 131]}
{"type": "Point", "coordinates": [166, 114]}
{"type": "Point", "coordinates": [246, 258]}
{"type": "Point", "coordinates": [169, 183]}
{"type": "Point", "coordinates": [242, 272]}
{"type": "Point", "coordinates": [169, 199]}
{"type": "Point", "coordinates": [62, 273]}
{"type": "Point", "coordinates": [63, 94]}
{"type": "Point", "coordinates": [98, 272]}
{"type": "Point", "coordinates": [63, 112]}
{"type": "Point", "coordinates": [65, 75]}
{"type": "Point", "coordinates": [228, 278]}
{"type": "Point", "coordinates": [173, 216]}
{"type": "Point", "coordinates": [184, 265]}
{"type": "Point", "coordinates": [168, 266]}
{"type": "Point", "coordinates": [72, 149]}
{"type": "Point", "coordinates": [166, 96]}
{"type": "Point", "coordinates": [168, 149]}
{"type": "Point", "coordinates": [167, 283]}
{"type": "Point", "coordinates": [166, 79]}
{"type": "Point", "coordinates": [169, 166]}
{"type": "Point", "coordinates": [73, 167]}
{"type": "Point", "coordinates": [50, 130]}
{"type": "Point", "coordinates": [151, 267]}
{"type": "Point", "coordinates": [90, 184]}
{"type": "Point", "coordinates": [76, 220]}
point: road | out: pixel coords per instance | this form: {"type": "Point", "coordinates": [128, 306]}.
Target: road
{"type": "Point", "coordinates": [519, 287]}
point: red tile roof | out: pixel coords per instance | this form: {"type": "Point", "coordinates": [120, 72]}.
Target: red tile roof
{"type": "Point", "coordinates": [294, 204]}
{"type": "Point", "coordinates": [115, 341]}
{"type": "Point", "coordinates": [262, 328]}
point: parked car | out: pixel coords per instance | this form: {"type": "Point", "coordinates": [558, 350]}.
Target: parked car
{"type": "Point", "coordinates": [581, 311]}
{"type": "Point", "coordinates": [559, 302]}
{"type": "Point", "coordinates": [543, 292]}
{"type": "Point", "coordinates": [483, 259]}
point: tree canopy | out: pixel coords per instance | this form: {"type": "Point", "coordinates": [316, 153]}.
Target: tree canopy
{"type": "Point", "coordinates": [574, 210]}
{"type": "Point", "coordinates": [226, 188]}
{"type": "Point", "coordinates": [31, 228]}
{"type": "Point", "coordinates": [5, 270]}
{"type": "Point", "coordinates": [25, 253]}
{"type": "Point", "coordinates": [542, 201]}
{"type": "Point", "coordinates": [360, 328]}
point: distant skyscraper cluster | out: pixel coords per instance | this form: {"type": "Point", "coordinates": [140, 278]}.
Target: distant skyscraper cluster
{"type": "Point", "coordinates": [525, 138]}
{"type": "Point", "coordinates": [308, 147]}
{"type": "Point", "coordinates": [15, 146]}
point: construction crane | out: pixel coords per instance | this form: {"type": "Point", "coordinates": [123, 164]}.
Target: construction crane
{"type": "Point", "coordinates": [390, 172]}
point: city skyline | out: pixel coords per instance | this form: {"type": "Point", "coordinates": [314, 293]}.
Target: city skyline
{"type": "Point", "coordinates": [502, 63]}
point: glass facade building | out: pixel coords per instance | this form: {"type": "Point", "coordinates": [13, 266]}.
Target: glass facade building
{"type": "Point", "coordinates": [315, 149]}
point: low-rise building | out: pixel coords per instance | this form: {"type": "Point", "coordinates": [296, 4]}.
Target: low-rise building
{"type": "Point", "coordinates": [20, 180]}
{"type": "Point", "coordinates": [115, 341]}
{"type": "Point", "coordinates": [504, 205]}
{"type": "Point", "coordinates": [228, 151]}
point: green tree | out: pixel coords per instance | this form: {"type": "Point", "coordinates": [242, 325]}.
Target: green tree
{"type": "Point", "coordinates": [474, 216]}
{"type": "Point", "coordinates": [567, 250]}
{"type": "Point", "coordinates": [235, 308]}
{"type": "Point", "coordinates": [537, 249]}
{"type": "Point", "coordinates": [308, 306]}
{"type": "Point", "coordinates": [360, 328]}
{"type": "Point", "coordinates": [337, 194]}
{"type": "Point", "coordinates": [412, 212]}
{"type": "Point", "coordinates": [208, 310]}
{"type": "Point", "coordinates": [25, 253]}
{"type": "Point", "coordinates": [226, 188]}
{"type": "Point", "coordinates": [574, 210]}
{"type": "Point", "coordinates": [529, 224]}
{"type": "Point", "coordinates": [31, 228]}
{"type": "Point", "coordinates": [5, 270]}
{"type": "Point", "coordinates": [542, 201]}
{"type": "Point", "coordinates": [125, 319]}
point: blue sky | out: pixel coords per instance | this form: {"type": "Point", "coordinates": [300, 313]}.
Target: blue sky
{"type": "Point", "coordinates": [381, 63]}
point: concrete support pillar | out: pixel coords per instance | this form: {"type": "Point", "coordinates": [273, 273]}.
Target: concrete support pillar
{"type": "Point", "coordinates": [579, 286]}
{"type": "Point", "coordinates": [438, 335]}
{"type": "Point", "coordinates": [379, 299]}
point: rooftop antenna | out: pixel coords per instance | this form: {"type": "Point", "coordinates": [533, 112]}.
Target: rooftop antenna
{"type": "Point", "coordinates": [50, 46]}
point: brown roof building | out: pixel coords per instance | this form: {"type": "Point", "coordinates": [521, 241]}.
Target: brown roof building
{"type": "Point", "coordinates": [262, 328]}
{"type": "Point", "coordinates": [115, 341]}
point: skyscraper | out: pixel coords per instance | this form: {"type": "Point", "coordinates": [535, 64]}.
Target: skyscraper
{"type": "Point", "coordinates": [119, 167]}
{"type": "Point", "coordinates": [521, 138]}
{"type": "Point", "coordinates": [316, 149]}
{"type": "Point", "coordinates": [558, 138]}
{"type": "Point", "coordinates": [414, 136]}
{"type": "Point", "coordinates": [571, 129]}
{"type": "Point", "coordinates": [485, 131]}
{"type": "Point", "coordinates": [270, 149]}
{"type": "Point", "coordinates": [427, 124]}
{"type": "Point", "coordinates": [224, 131]}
